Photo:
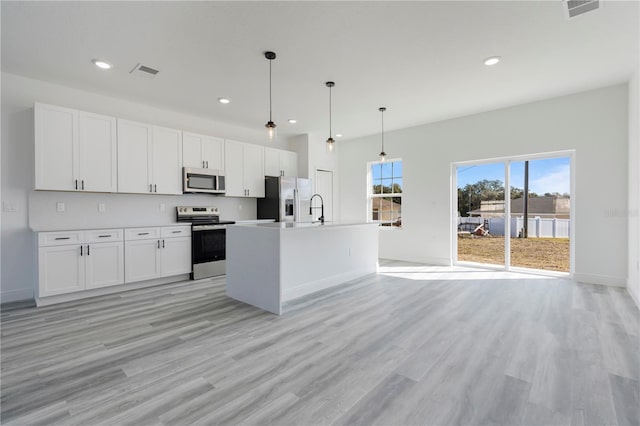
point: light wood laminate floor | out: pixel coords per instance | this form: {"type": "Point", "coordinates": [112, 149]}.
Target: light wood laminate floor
{"type": "Point", "coordinates": [411, 345]}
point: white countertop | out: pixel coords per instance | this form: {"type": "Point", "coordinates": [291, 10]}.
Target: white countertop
{"type": "Point", "coordinates": [303, 225]}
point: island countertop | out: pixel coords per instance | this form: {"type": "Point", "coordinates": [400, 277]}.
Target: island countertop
{"type": "Point", "coordinates": [304, 225]}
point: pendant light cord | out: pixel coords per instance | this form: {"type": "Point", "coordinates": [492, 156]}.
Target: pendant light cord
{"type": "Point", "coordinates": [330, 132]}
{"type": "Point", "coordinates": [270, 119]}
{"type": "Point", "coordinates": [382, 130]}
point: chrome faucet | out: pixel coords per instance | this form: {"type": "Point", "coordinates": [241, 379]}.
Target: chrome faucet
{"type": "Point", "coordinates": [321, 206]}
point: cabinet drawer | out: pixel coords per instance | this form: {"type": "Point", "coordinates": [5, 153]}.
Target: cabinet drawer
{"type": "Point", "coordinates": [132, 234]}
{"type": "Point", "coordinates": [176, 231]}
{"type": "Point", "coordinates": [60, 238]}
{"type": "Point", "coordinates": [103, 235]}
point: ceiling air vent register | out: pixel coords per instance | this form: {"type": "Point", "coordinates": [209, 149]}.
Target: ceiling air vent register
{"type": "Point", "coordinates": [144, 71]}
{"type": "Point", "coordinates": [574, 8]}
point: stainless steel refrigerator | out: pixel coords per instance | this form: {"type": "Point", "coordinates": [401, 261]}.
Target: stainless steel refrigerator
{"type": "Point", "coordinates": [286, 199]}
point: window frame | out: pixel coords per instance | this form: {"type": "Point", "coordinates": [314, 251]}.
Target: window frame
{"type": "Point", "coordinates": [371, 196]}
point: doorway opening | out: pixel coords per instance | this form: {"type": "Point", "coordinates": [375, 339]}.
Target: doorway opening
{"type": "Point", "coordinates": [530, 226]}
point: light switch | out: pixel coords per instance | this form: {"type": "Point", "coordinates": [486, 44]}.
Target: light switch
{"type": "Point", "coordinates": [162, 207]}
{"type": "Point", "coordinates": [102, 207]}
{"type": "Point", "coordinates": [8, 207]}
{"type": "Point", "coordinates": [60, 207]}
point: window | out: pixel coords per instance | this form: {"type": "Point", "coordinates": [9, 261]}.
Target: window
{"type": "Point", "coordinates": [385, 192]}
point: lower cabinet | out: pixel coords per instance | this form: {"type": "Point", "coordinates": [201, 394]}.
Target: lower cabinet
{"type": "Point", "coordinates": [74, 261]}
{"type": "Point", "coordinates": [78, 260]}
{"type": "Point", "coordinates": [157, 252]}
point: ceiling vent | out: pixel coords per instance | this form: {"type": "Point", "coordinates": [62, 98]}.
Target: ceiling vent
{"type": "Point", "coordinates": [144, 71]}
{"type": "Point", "coordinates": [574, 8]}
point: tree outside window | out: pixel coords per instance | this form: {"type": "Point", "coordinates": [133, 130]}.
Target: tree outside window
{"type": "Point", "coordinates": [385, 192]}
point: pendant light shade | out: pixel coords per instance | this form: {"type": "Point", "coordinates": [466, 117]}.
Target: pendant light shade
{"type": "Point", "coordinates": [382, 154]}
{"type": "Point", "coordinates": [271, 126]}
{"type": "Point", "coordinates": [330, 141]}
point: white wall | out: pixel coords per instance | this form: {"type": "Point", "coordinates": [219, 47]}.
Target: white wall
{"type": "Point", "coordinates": [593, 123]}
{"type": "Point", "coordinates": [37, 208]}
{"type": "Point", "coordinates": [633, 279]}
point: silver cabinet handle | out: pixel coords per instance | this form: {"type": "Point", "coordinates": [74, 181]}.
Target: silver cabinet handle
{"type": "Point", "coordinates": [155, 188]}
{"type": "Point", "coordinates": [158, 243]}
{"type": "Point", "coordinates": [76, 183]}
{"type": "Point", "coordinates": [143, 233]}
{"type": "Point", "coordinates": [207, 164]}
{"type": "Point", "coordinates": [176, 232]}
{"type": "Point", "coordinates": [162, 243]}
{"type": "Point", "coordinates": [83, 184]}
{"type": "Point", "coordinates": [203, 166]}
{"type": "Point", "coordinates": [80, 250]}
{"type": "Point", "coordinates": [88, 252]}
{"type": "Point", "coordinates": [63, 238]}
{"type": "Point", "coordinates": [105, 236]}
{"type": "Point", "coordinates": [150, 187]}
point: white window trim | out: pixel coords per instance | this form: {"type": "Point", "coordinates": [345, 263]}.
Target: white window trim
{"type": "Point", "coordinates": [371, 196]}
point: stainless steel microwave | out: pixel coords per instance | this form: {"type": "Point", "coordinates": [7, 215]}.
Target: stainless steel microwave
{"type": "Point", "coordinates": [202, 180]}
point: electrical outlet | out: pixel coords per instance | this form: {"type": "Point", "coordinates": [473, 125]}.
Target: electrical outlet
{"type": "Point", "coordinates": [8, 207]}
{"type": "Point", "coordinates": [60, 207]}
{"type": "Point", "coordinates": [102, 208]}
{"type": "Point", "coordinates": [240, 207]}
{"type": "Point", "coordinates": [162, 207]}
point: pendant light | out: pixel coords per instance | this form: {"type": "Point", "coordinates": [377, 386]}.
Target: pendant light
{"type": "Point", "coordinates": [330, 141]}
{"type": "Point", "coordinates": [382, 154]}
{"type": "Point", "coordinates": [271, 126]}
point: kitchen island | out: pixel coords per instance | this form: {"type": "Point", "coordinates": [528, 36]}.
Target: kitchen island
{"type": "Point", "coordinates": [269, 264]}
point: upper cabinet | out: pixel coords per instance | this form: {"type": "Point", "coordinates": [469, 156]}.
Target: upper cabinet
{"type": "Point", "coordinates": [74, 150]}
{"type": "Point", "coordinates": [201, 151]}
{"type": "Point", "coordinates": [149, 159]}
{"type": "Point", "coordinates": [244, 169]}
{"type": "Point", "coordinates": [278, 162]}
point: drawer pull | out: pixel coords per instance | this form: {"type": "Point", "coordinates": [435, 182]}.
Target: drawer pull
{"type": "Point", "coordinates": [176, 232]}
{"type": "Point", "coordinates": [63, 238]}
{"type": "Point", "coordinates": [143, 233]}
{"type": "Point", "coordinates": [104, 236]}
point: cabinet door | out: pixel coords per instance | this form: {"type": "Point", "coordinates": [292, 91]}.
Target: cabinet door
{"type": "Point", "coordinates": [167, 161]}
{"type": "Point", "coordinates": [254, 170]}
{"type": "Point", "coordinates": [142, 258]}
{"type": "Point", "coordinates": [272, 162]}
{"type": "Point", "coordinates": [289, 163]}
{"type": "Point", "coordinates": [134, 165]}
{"type": "Point", "coordinates": [60, 270]}
{"type": "Point", "coordinates": [175, 256]}
{"type": "Point", "coordinates": [104, 264]}
{"type": "Point", "coordinates": [56, 152]}
{"type": "Point", "coordinates": [192, 150]}
{"type": "Point", "coordinates": [213, 153]}
{"type": "Point", "coordinates": [234, 173]}
{"type": "Point", "coordinates": [98, 150]}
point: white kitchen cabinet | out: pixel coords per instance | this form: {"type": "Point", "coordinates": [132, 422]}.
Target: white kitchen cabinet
{"type": "Point", "coordinates": [157, 252]}
{"type": "Point", "coordinates": [199, 151]}
{"type": "Point", "coordinates": [74, 150]}
{"type": "Point", "coordinates": [149, 159]}
{"type": "Point", "coordinates": [244, 169]}
{"type": "Point", "coordinates": [278, 162]}
{"type": "Point", "coordinates": [78, 260]}
{"type": "Point", "coordinates": [166, 166]}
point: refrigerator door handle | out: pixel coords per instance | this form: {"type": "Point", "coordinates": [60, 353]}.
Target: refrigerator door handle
{"type": "Point", "coordinates": [296, 205]}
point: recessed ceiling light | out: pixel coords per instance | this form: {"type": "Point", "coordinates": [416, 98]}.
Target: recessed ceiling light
{"type": "Point", "coordinates": [223, 100]}
{"type": "Point", "coordinates": [102, 64]}
{"type": "Point", "coordinates": [338, 135]}
{"type": "Point", "coordinates": [292, 121]}
{"type": "Point", "coordinates": [492, 60]}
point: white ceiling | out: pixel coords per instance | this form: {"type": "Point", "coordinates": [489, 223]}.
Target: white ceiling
{"type": "Point", "coordinates": [420, 59]}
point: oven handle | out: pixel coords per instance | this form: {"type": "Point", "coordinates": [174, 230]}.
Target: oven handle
{"type": "Point", "coordinates": [208, 227]}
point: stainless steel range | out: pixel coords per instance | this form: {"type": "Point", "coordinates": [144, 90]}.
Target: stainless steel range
{"type": "Point", "coordinates": [208, 240]}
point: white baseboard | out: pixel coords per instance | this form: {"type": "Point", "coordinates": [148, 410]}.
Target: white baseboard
{"type": "Point", "coordinates": [600, 279]}
{"type": "Point", "coordinates": [51, 300]}
{"type": "Point", "coordinates": [16, 295]}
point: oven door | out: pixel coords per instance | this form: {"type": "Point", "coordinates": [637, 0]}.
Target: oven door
{"type": "Point", "coordinates": [208, 243]}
